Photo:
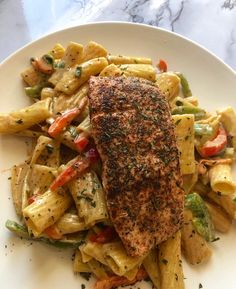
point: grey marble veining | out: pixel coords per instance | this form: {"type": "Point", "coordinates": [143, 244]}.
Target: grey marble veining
{"type": "Point", "coordinates": [212, 23]}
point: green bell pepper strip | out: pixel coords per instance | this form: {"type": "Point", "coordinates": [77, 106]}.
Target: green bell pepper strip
{"type": "Point", "coordinates": [202, 129]}
{"type": "Point", "coordinates": [185, 85]}
{"type": "Point", "coordinates": [22, 232]}
{"type": "Point", "coordinates": [201, 216]}
{"type": "Point", "coordinates": [199, 113]}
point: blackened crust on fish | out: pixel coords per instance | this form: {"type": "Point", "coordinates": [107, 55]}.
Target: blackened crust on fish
{"type": "Point", "coordinates": [134, 134]}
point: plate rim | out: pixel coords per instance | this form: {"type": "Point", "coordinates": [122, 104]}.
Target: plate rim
{"type": "Point", "coordinates": [121, 23]}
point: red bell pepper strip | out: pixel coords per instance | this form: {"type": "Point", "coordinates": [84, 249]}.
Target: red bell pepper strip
{"type": "Point", "coordinates": [32, 199]}
{"type": "Point", "coordinates": [70, 173]}
{"type": "Point", "coordinates": [105, 236]}
{"type": "Point", "coordinates": [162, 65]}
{"type": "Point", "coordinates": [64, 120]}
{"type": "Point", "coordinates": [215, 146]}
{"type": "Point", "coordinates": [81, 142]}
{"type": "Point", "coordinates": [43, 64]}
{"type": "Point", "coordinates": [53, 232]}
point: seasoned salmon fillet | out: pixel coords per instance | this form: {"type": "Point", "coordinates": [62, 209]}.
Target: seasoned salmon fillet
{"type": "Point", "coordinates": [134, 134]}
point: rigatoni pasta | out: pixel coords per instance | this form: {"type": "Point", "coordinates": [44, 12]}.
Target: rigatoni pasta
{"type": "Point", "coordinates": [89, 198]}
{"type": "Point", "coordinates": [46, 210]}
{"type": "Point", "coordinates": [221, 179]}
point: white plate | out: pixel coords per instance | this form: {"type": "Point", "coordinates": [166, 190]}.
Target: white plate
{"type": "Point", "coordinates": [37, 266]}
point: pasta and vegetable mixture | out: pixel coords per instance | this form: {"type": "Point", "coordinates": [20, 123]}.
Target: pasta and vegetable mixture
{"type": "Point", "coordinates": [58, 194]}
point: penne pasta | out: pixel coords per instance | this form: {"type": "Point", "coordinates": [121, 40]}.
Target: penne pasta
{"type": "Point", "coordinates": [151, 265]}
{"type": "Point", "coordinates": [184, 131]}
{"type": "Point", "coordinates": [145, 71]}
{"type": "Point", "coordinates": [93, 50]}
{"type": "Point", "coordinates": [73, 54]}
{"type": "Point", "coordinates": [221, 220]}
{"type": "Point", "coordinates": [228, 118]}
{"type": "Point", "coordinates": [18, 175]}
{"type": "Point", "coordinates": [46, 152]}
{"type": "Point", "coordinates": [22, 119]}
{"type": "Point", "coordinates": [63, 102]}
{"type": "Point", "coordinates": [111, 71]}
{"type": "Point", "coordinates": [171, 264]}
{"type": "Point", "coordinates": [40, 179]}
{"type": "Point", "coordinates": [47, 92]}
{"type": "Point", "coordinates": [78, 265]}
{"type": "Point", "coordinates": [169, 84]}
{"type": "Point", "coordinates": [31, 76]}
{"type": "Point", "coordinates": [58, 51]}
{"type": "Point", "coordinates": [224, 201]}
{"type": "Point", "coordinates": [122, 59]}
{"type": "Point", "coordinates": [77, 76]}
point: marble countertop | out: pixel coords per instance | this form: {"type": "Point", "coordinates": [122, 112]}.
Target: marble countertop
{"type": "Point", "coordinates": [212, 23]}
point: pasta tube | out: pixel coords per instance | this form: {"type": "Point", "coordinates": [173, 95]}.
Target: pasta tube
{"type": "Point", "coordinates": [121, 59]}
{"type": "Point", "coordinates": [151, 265]}
{"type": "Point", "coordinates": [85, 125]}
{"type": "Point", "coordinates": [46, 152]}
{"type": "Point", "coordinates": [130, 275]}
{"type": "Point", "coordinates": [228, 118]}
{"type": "Point", "coordinates": [224, 201]}
{"type": "Point", "coordinates": [168, 83]}
{"type": "Point", "coordinates": [31, 77]}
{"type": "Point", "coordinates": [116, 281]}
{"type": "Point", "coordinates": [70, 57]}
{"type": "Point", "coordinates": [47, 92]}
{"type": "Point", "coordinates": [93, 50]}
{"type": "Point", "coordinates": [97, 269]}
{"type": "Point", "coordinates": [78, 265]}
{"type": "Point", "coordinates": [63, 102]}
{"type": "Point", "coordinates": [195, 248]}
{"type": "Point", "coordinates": [58, 51]}
{"type": "Point", "coordinates": [139, 70]}
{"type": "Point", "coordinates": [111, 70]}
{"type": "Point", "coordinates": [73, 54]}
{"type": "Point", "coordinates": [40, 178]}
{"type": "Point", "coordinates": [89, 198]}
{"type": "Point", "coordinates": [220, 219]}
{"type": "Point", "coordinates": [24, 118]}
{"type": "Point", "coordinates": [77, 76]}
{"type": "Point", "coordinates": [221, 179]}
{"type": "Point", "coordinates": [117, 259]}
{"type": "Point", "coordinates": [46, 210]}
{"type": "Point", "coordinates": [184, 131]}
{"type": "Point", "coordinates": [171, 263]}
{"type": "Point", "coordinates": [190, 180]}
{"type": "Point", "coordinates": [93, 250]}
{"type": "Point", "coordinates": [18, 175]}
{"type": "Point", "coordinates": [70, 223]}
